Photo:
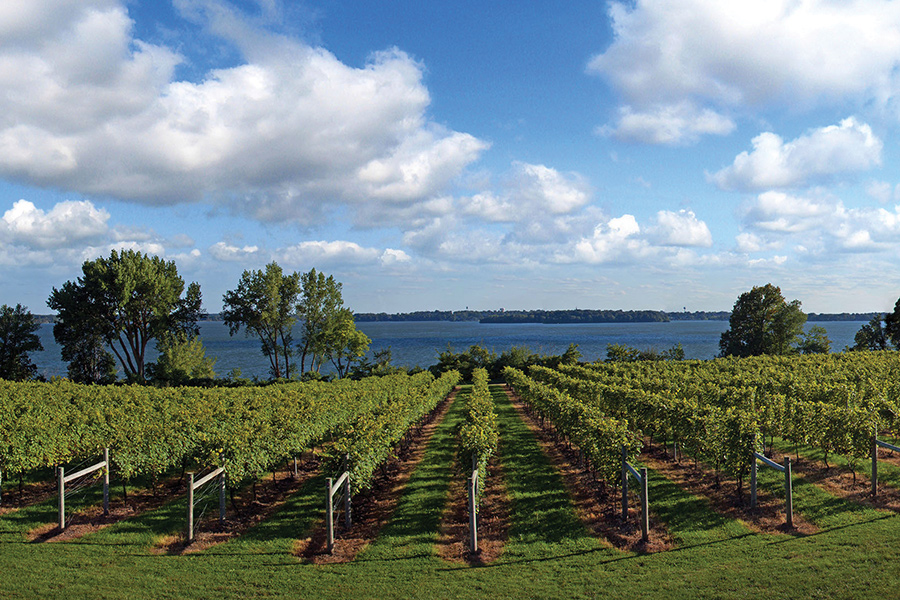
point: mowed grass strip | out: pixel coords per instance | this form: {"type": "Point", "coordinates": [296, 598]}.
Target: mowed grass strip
{"type": "Point", "coordinates": [544, 521]}
{"type": "Point", "coordinates": [818, 505]}
{"type": "Point", "coordinates": [413, 528]}
{"type": "Point", "coordinates": [691, 520]}
{"type": "Point", "coordinates": [19, 522]}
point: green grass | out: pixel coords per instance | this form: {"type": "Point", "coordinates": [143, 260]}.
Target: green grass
{"type": "Point", "coordinates": [544, 523]}
{"type": "Point", "coordinates": [855, 554]}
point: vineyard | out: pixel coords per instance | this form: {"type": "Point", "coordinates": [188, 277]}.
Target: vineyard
{"type": "Point", "coordinates": [722, 411]}
{"type": "Point", "coordinates": [561, 435]}
{"type": "Point", "coordinates": [245, 431]}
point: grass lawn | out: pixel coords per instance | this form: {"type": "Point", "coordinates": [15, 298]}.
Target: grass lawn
{"type": "Point", "coordinates": [855, 554]}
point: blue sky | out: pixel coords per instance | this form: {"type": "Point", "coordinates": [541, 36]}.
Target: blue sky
{"type": "Point", "coordinates": [648, 154]}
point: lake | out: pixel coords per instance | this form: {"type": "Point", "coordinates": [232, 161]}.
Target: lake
{"type": "Point", "coordinates": [419, 343]}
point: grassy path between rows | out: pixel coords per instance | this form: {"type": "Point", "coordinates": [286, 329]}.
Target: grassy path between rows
{"type": "Point", "coordinates": [856, 553]}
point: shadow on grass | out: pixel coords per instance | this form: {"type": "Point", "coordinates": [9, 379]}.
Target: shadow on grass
{"type": "Point", "coordinates": [542, 511]}
{"type": "Point", "coordinates": [413, 528]}
{"type": "Point", "coordinates": [882, 517]}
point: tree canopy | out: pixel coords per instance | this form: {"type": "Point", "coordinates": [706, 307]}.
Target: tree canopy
{"type": "Point", "coordinates": [181, 359]}
{"type": "Point", "coordinates": [263, 303]}
{"type": "Point", "coordinates": [125, 300]}
{"type": "Point", "coordinates": [319, 309]}
{"type": "Point", "coordinates": [880, 333]}
{"type": "Point", "coordinates": [17, 339]}
{"type": "Point", "coordinates": [269, 303]}
{"type": "Point", "coordinates": [762, 322]}
{"type": "Point", "coordinates": [344, 343]}
{"type": "Point", "coordinates": [871, 336]}
{"type": "Point", "coordinates": [892, 325]}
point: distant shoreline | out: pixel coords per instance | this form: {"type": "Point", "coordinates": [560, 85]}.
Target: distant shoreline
{"type": "Point", "coordinates": [555, 317]}
{"type": "Point", "coordinates": [582, 316]}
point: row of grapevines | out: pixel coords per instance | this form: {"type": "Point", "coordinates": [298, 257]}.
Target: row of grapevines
{"type": "Point", "coordinates": [151, 430]}
{"type": "Point", "coordinates": [836, 402]}
{"type": "Point", "coordinates": [845, 379]}
{"type": "Point", "coordinates": [600, 437]}
{"type": "Point", "coordinates": [723, 436]}
{"type": "Point", "coordinates": [479, 433]}
{"type": "Point", "coordinates": [371, 436]}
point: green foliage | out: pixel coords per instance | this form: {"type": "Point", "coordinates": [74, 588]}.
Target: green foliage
{"type": "Point", "coordinates": [599, 436]}
{"type": "Point", "coordinates": [715, 409]}
{"type": "Point", "coordinates": [623, 353]}
{"type": "Point", "coordinates": [476, 357]}
{"type": "Point", "coordinates": [892, 325]}
{"type": "Point", "coordinates": [381, 420]}
{"type": "Point", "coordinates": [318, 307]}
{"type": "Point", "coordinates": [571, 356]}
{"type": "Point", "coordinates": [127, 300]}
{"type": "Point", "coordinates": [379, 366]}
{"type": "Point", "coordinates": [344, 343]}
{"type": "Point", "coordinates": [871, 336]}
{"type": "Point", "coordinates": [518, 357]}
{"type": "Point", "coordinates": [89, 360]}
{"type": "Point", "coordinates": [815, 341]}
{"type": "Point", "coordinates": [762, 322]}
{"type": "Point", "coordinates": [181, 359]}
{"type": "Point", "coordinates": [246, 430]}
{"type": "Point", "coordinates": [17, 339]}
{"type": "Point", "coordinates": [479, 433]}
{"type": "Point", "coordinates": [263, 303]}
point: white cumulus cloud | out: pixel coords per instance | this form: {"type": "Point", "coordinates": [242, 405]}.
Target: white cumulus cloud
{"type": "Point", "coordinates": [614, 240]}
{"type": "Point", "coordinates": [681, 228]}
{"type": "Point", "coordinates": [787, 213]}
{"type": "Point", "coordinates": [848, 147]}
{"type": "Point", "coordinates": [818, 224]}
{"type": "Point", "coordinates": [883, 191]}
{"type": "Point", "coordinates": [311, 254]}
{"type": "Point", "coordinates": [531, 192]}
{"type": "Point", "coordinates": [391, 257]}
{"type": "Point", "coordinates": [674, 124]}
{"type": "Point", "coordinates": [66, 224]}
{"type": "Point", "coordinates": [229, 253]}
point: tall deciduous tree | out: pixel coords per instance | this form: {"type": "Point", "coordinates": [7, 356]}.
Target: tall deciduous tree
{"type": "Point", "coordinates": [345, 344]}
{"type": "Point", "coordinates": [263, 303]}
{"type": "Point", "coordinates": [17, 339]}
{"type": "Point", "coordinates": [81, 339]}
{"type": "Point", "coordinates": [762, 322]}
{"type": "Point", "coordinates": [815, 341]}
{"type": "Point", "coordinates": [127, 300]}
{"type": "Point", "coordinates": [318, 308]}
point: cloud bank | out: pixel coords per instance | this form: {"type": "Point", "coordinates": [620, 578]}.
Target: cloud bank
{"type": "Point", "coordinates": [87, 107]}
{"type": "Point", "coordinates": [683, 68]}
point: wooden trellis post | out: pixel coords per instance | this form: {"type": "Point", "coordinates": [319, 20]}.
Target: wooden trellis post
{"type": "Point", "coordinates": [342, 484]}
{"type": "Point", "coordinates": [788, 484]}
{"type": "Point", "coordinates": [473, 506]}
{"type": "Point", "coordinates": [876, 444]}
{"type": "Point", "coordinates": [645, 503]}
{"type": "Point", "coordinates": [192, 486]}
{"type": "Point", "coordinates": [63, 479]}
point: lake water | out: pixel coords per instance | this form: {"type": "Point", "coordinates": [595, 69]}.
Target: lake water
{"type": "Point", "coordinates": [419, 343]}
